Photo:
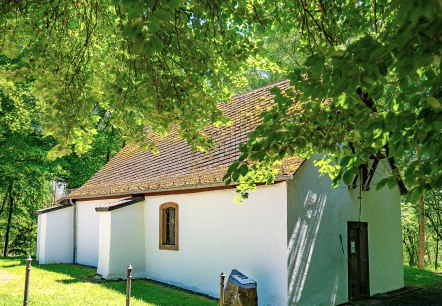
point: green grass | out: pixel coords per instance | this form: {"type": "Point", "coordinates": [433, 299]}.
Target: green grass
{"type": "Point", "coordinates": [64, 284]}
{"type": "Point", "coordinates": [421, 277]}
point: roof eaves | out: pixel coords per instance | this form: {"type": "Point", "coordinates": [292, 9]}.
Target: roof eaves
{"type": "Point", "coordinates": [53, 208]}
{"type": "Point", "coordinates": [402, 188]}
{"type": "Point", "coordinates": [142, 192]}
{"type": "Point", "coordinates": [120, 204]}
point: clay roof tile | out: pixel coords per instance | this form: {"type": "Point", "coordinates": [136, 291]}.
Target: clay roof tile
{"type": "Point", "coordinates": [176, 165]}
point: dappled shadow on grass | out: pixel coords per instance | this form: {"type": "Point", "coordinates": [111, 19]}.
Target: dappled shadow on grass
{"type": "Point", "coordinates": [13, 259]}
{"type": "Point", "coordinates": [69, 281]}
{"type": "Point", "coordinates": [71, 270]}
{"type": "Point", "coordinates": [143, 290]}
{"type": "Point", "coordinates": [13, 265]}
{"type": "Point", "coordinates": [159, 294]}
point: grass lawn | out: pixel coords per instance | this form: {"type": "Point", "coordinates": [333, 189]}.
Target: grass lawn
{"type": "Point", "coordinates": [64, 284]}
{"type": "Point", "coordinates": [421, 277]}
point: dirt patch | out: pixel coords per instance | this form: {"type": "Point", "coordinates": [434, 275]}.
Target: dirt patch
{"type": "Point", "coordinates": [431, 295]}
{"type": "Point", "coordinates": [409, 295]}
{"type": "Point", "coordinates": [7, 277]}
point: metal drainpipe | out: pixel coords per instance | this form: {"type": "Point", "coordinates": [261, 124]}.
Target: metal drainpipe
{"type": "Point", "coordinates": [74, 255]}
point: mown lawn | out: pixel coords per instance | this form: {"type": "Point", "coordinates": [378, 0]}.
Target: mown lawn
{"type": "Point", "coordinates": [421, 277]}
{"type": "Point", "coordinates": [63, 284]}
{"type": "Point", "coordinates": [430, 294]}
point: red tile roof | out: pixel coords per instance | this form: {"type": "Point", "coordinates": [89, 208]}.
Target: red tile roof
{"type": "Point", "coordinates": [176, 166]}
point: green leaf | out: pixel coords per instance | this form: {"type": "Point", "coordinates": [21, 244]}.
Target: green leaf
{"type": "Point", "coordinates": [174, 4]}
{"type": "Point", "coordinates": [156, 43]}
{"type": "Point", "coordinates": [434, 103]}
{"type": "Point", "coordinates": [235, 176]}
{"type": "Point", "coordinates": [243, 169]}
{"type": "Point", "coordinates": [348, 177]}
{"type": "Point", "coordinates": [275, 91]}
{"type": "Point", "coordinates": [301, 142]}
{"type": "Point", "coordinates": [381, 184]}
{"type": "Point", "coordinates": [344, 161]}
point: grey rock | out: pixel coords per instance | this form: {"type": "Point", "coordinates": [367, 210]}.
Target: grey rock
{"type": "Point", "coordinates": [240, 290]}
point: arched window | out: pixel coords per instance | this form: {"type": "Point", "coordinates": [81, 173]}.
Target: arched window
{"type": "Point", "coordinates": [169, 226]}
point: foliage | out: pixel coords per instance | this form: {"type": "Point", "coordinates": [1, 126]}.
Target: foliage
{"type": "Point", "coordinates": [365, 74]}
{"type": "Point", "coordinates": [25, 171]}
{"type": "Point", "coordinates": [433, 229]}
{"type": "Point", "coordinates": [148, 64]}
{"type": "Point", "coordinates": [64, 284]}
{"type": "Point", "coordinates": [434, 212]}
{"type": "Point", "coordinates": [410, 232]}
{"type": "Point", "coordinates": [76, 169]}
{"type": "Point", "coordinates": [368, 86]}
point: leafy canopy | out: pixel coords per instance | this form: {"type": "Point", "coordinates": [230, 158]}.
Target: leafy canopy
{"type": "Point", "coordinates": [151, 64]}
{"type": "Point", "coordinates": [370, 84]}
{"type": "Point", "coordinates": [365, 73]}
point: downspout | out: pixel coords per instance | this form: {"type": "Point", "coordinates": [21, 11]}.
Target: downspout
{"type": "Point", "coordinates": [74, 255]}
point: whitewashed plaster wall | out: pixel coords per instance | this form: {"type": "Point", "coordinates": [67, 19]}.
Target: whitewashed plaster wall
{"type": "Point", "coordinates": [41, 228]}
{"type": "Point", "coordinates": [317, 218]}
{"type": "Point", "coordinates": [382, 209]}
{"type": "Point", "coordinates": [122, 241]}
{"type": "Point", "coordinates": [55, 236]}
{"type": "Point", "coordinates": [104, 242]}
{"type": "Point", "coordinates": [88, 231]}
{"type": "Point", "coordinates": [215, 236]}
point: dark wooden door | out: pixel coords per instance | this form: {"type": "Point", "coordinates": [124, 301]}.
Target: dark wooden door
{"type": "Point", "coordinates": [358, 278]}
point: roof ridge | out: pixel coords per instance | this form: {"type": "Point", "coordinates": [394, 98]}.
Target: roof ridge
{"type": "Point", "coordinates": [260, 89]}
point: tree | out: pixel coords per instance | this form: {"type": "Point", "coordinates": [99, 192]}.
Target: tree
{"type": "Point", "coordinates": [371, 85]}
{"type": "Point", "coordinates": [433, 215]}
{"type": "Point", "coordinates": [149, 64]}
{"type": "Point", "coordinates": [410, 233]}
{"type": "Point", "coordinates": [77, 169]}
{"type": "Point", "coordinates": [26, 172]}
{"type": "Point", "coordinates": [370, 82]}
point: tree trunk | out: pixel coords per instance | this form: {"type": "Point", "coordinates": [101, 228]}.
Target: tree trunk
{"type": "Point", "coordinates": [410, 247]}
{"type": "Point", "coordinates": [436, 261]}
{"type": "Point", "coordinates": [421, 254]}
{"type": "Point", "coordinates": [4, 203]}
{"type": "Point", "coordinates": [8, 225]}
{"type": "Point", "coordinates": [428, 252]}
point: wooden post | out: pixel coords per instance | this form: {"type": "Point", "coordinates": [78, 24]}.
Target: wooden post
{"type": "Point", "coordinates": [221, 289]}
{"type": "Point", "coordinates": [128, 284]}
{"type": "Point", "coordinates": [28, 272]}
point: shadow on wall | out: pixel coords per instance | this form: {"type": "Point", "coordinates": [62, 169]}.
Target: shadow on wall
{"type": "Point", "coordinates": [301, 244]}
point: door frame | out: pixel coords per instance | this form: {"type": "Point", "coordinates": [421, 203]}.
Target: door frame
{"type": "Point", "coordinates": [362, 228]}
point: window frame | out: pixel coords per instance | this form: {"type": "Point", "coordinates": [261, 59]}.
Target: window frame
{"type": "Point", "coordinates": [162, 227]}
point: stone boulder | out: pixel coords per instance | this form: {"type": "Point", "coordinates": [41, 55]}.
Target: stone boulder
{"type": "Point", "coordinates": [240, 290]}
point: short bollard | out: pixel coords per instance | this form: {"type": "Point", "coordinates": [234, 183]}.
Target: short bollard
{"type": "Point", "coordinates": [28, 273]}
{"type": "Point", "coordinates": [221, 289]}
{"type": "Point", "coordinates": [128, 284]}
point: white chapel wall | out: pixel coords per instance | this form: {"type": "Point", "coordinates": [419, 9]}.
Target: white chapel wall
{"type": "Point", "coordinates": [215, 236]}
{"type": "Point", "coordinates": [104, 243]}
{"type": "Point", "coordinates": [317, 221]}
{"type": "Point", "coordinates": [127, 241]}
{"type": "Point", "coordinates": [41, 237]}
{"type": "Point", "coordinates": [55, 236]}
{"type": "Point", "coordinates": [382, 210]}
{"type": "Point", "coordinates": [88, 224]}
